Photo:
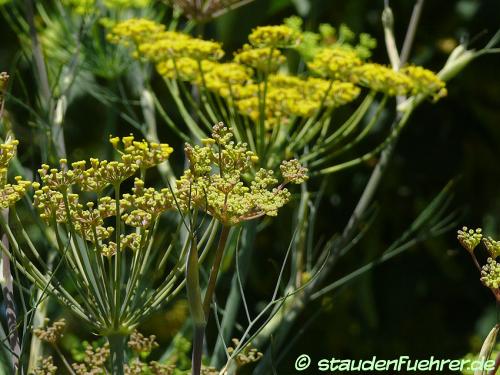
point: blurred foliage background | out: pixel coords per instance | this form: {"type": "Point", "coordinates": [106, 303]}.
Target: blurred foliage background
{"type": "Point", "coordinates": [428, 301]}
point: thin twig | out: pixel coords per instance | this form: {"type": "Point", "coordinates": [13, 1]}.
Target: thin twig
{"type": "Point", "coordinates": [410, 33]}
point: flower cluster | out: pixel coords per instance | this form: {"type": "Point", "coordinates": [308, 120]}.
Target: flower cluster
{"type": "Point", "coordinates": [490, 274]}
{"type": "Point", "coordinates": [51, 334]}
{"type": "Point", "coordinates": [425, 82]}
{"type": "Point", "coordinates": [469, 238]}
{"type": "Point", "coordinates": [327, 36]}
{"type": "Point", "coordinates": [134, 31]}
{"type": "Point", "coordinates": [381, 78]}
{"type": "Point", "coordinates": [142, 345]}
{"type": "Point", "coordinates": [153, 43]}
{"type": "Point", "coordinates": [344, 64]}
{"type": "Point", "coordinates": [492, 246]}
{"type": "Point", "coordinates": [263, 59]}
{"type": "Point", "coordinates": [177, 45]}
{"type": "Point", "coordinates": [7, 152]}
{"type": "Point", "coordinates": [335, 63]}
{"type": "Point", "coordinates": [248, 355]}
{"type": "Point", "coordinates": [184, 69]}
{"type": "Point", "coordinates": [289, 96]}
{"type": "Point", "coordinates": [250, 81]}
{"type": "Point", "coordinates": [148, 200]}
{"type": "Point", "coordinates": [94, 360]}
{"type": "Point", "coordinates": [10, 193]}
{"type": "Point", "coordinates": [215, 181]}
{"type": "Point", "coordinates": [46, 367]}
{"type": "Point", "coordinates": [224, 78]}
{"type": "Point", "coordinates": [279, 36]}
{"type": "Point", "coordinates": [62, 197]}
{"type": "Point", "coordinates": [146, 155]}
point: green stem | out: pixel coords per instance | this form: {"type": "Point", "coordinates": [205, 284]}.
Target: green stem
{"type": "Point", "coordinates": [215, 271]}
{"type": "Point", "coordinates": [118, 259]}
{"type": "Point", "coordinates": [235, 298]}
{"type": "Point", "coordinates": [195, 305]}
{"type": "Point", "coordinates": [117, 353]}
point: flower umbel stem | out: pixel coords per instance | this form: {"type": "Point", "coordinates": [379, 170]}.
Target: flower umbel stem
{"type": "Point", "coordinates": [117, 353]}
{"type": "Point", "coordinates": [215, 271]}
{"type": "Point", "coordinates": [195, 306]}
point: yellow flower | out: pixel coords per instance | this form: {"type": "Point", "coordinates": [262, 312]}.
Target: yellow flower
{"type": "Point", "coordinates": [144, 154]}
{"type": "Point", "coordinates": [10, 194]}
{"type": "Point", "coordinates": [221, 78]}
{"type": "Point", "coordinates": [138, 219]}
{"type": "Point", "coordinates": [214, 184]}
{"type": "Point", "coordinates": [62, 179]}
{"type": "Point", "coordinates": [148, 199]}
{"type": "Point", "coordinates": [274, 36]}
{"type": "Point", "coordinates": [50, 204]}
{"type": "Point", "coordinates": [290, 96]}
{"type": "Point", "coordinates": [184, 69]}
{"type": "Point", "coordinates": [7, 152]}
{"type": "Point", "coordinates": [133, 241]}
{"type": "Point", "coordinates": [381, 78]}
{"type": "Point", "coordinates": [172, 48]}
{"type": "Point", "coordinates": [264, 59]}
{"type": "Point", "coordinates": [335, 62]}
{"type": "Point", "coordinates": [135, 31]}
{"type": "Point", "coordinates": [333, 94]}
{"type": "Point", "coordinates": [425, 82]}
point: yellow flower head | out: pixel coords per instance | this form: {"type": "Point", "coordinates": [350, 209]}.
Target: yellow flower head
{"type": "Point", "coordinates": [134, 31]}
{"type": "Point", "coordinates": [264, 59]}
{"type": "Point", "coordinates": [62, 179]}
{"type": "Point", "coordinates": [133, 241]}
{"type": "Point", "coordinates": [144, 154]}
{"type": "Point", "coordinates": [381, 78]}
{"type": "Point", "coordinates": [184, 69]}
{"type": "Point", "coordinates": [274, 36]}
{"type": "Point", "coordinates": [214, 181]}
{"type": "Point", "coordinates": [181, 46]}
{"type": "Point", "coordinates": [51, 205]}
{"type": "Point", "coordinates": [10, 194]}
{"type": "Point", "coordinates": [7, 152]}
{"type": "Point", "coordinates": [335, 62]}
{"type": "Point", "coordinates": [332, 94]}
{"type": "Point", "coordinates": [138, 219]}
{"type": "Point", "coordinates": [490, 274]}
{"type": "Point", "coordinates": [222, 78]}
{"type": "Point", "coordinates": [290, 96]}
{"type": "Point", "coordinates": [148, 199]}
{"type": "Point", "coordinates": [425, 82]}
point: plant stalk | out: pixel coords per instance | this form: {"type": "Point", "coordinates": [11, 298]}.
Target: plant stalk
{"type": "Point", "coordinates": [8, 297]}
{"type": "Point", "coordinates": [215, 271]}
{"type": "Point", "coordinates": [117, 353]}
